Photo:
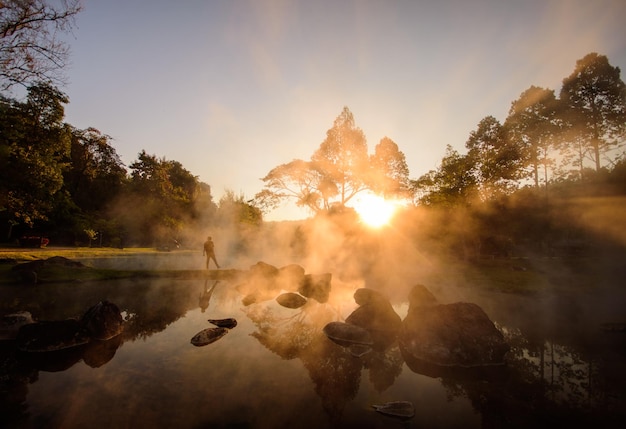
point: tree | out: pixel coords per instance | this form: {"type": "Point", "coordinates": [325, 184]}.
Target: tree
{"type": "Point", "coordinates": [595, 96]}
{"type": "Point", "coordinates": [533, 126]}
{"type": "Point", "coordinates": [236, 210]}
{"type": "Point", "coordinates": [34, 151]}
{"type": "Point", "coordinates": [342, 158]}
{"type": "Point", "coordinates": [166, 193]}
{"type": "Point", "coordinates": [30, 47]}
{"type": "Point", "coordinates": [298, 180]}
{"type": "Point", "coordinates": [492, 159]}
{"type": "Point", "coordinates": [389, 170]}
{"type": "Point", "coordinates": [96, 174]}
{"type": "Point", "coordinates": [452, 184]}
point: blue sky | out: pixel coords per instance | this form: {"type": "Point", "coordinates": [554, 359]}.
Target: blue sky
{"type": "Point", "coordinates": [234, 88]}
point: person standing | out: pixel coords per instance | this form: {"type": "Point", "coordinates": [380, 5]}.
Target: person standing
{"type": "Point", "coordinates": [209, 251]}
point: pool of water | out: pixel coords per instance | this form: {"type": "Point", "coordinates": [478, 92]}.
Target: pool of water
{"type": "Point", "coordinates": [277, 369]}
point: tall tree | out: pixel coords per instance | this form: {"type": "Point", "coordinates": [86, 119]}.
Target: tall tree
{"type": "Point", "coordinates": [166, 192]}
{"type": "Point", "coordinates": [533, 126]}
{"type": "Point", "coordinates": [31, 49]}
{"type": "Point", "coordinates": [452, 184]}
{"type": "Point", "coordinates": [389, 171]}
{"type": "Point", "coordinates": [297, 180]}
{"type": "Point", "coordinates": [34, 148]}
{"type": "Point", "coordinates": [596, 99]}
{"type": "Point", "coordinates": [96, 174]}
{"type": "Point", "coordinates": [342, 158]}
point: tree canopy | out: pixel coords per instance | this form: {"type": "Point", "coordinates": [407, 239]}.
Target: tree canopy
{"type": "Point", "coordinates": [31, 49]}
{"type": "Point", "coordinates": [338, 170]}
{"type": "Point", "coordinates": [595, 97]}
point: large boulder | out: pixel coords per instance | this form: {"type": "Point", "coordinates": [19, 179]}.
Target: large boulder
{"type": "Point", "coordinates": [290, 277]}
{"type": "Point", "coordinates": [316, 286]}
{"type": "Point", "coordinates": [103, 321]}
{"type": "Point", "coordinates": [451, 335]}
{"type": "Point", "coordinates": [376, 315]}
{"type": "Point", "coordinates": [420, 296]}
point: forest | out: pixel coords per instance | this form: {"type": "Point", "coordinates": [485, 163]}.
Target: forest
{"type": "Point", "coordinates": [555, 154]}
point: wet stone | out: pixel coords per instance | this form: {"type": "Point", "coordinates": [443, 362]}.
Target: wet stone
{"type": "Point", "coordinates": [347, 335]}
{"type": "Point", "coordinates": [228, 323]}
{"type": "Point", "coordinates": [208, 336]}
{"type": "Point", "coordinates": [291, 300]}
{"type": "Point", "coordinates": [399, 409]}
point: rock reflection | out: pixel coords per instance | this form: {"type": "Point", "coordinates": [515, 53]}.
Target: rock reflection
{"type": "Point", "coordinates": [333, 369]}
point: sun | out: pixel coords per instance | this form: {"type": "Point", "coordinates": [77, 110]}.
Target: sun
{"type": "Point", "coordinates": [374, 211]}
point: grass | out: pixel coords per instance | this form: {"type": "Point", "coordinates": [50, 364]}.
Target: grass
{"type": "Point", "coordinates": [20, 254]}
{"type": "Point", "coordinates": [59, 273]}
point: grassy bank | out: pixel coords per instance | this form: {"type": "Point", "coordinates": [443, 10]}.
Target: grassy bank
{"type": "Point", "coordinates": [22, 254]}
{"type": "Point", "coordinates": [52, 273]}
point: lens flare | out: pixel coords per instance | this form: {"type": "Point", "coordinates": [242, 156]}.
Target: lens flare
{"type": "Point", "coordinates": [375, 211]}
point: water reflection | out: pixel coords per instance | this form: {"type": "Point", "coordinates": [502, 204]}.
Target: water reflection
{"type": "Point", "coordinates": [255, 376]}
{"type": "Point", "coordinates": [205, 295]}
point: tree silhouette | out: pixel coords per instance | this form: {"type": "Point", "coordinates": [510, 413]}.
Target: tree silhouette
{"type": "Point", "coordinates": [595, 97]}
{"type": "Point", "coordinates": [30, 47]}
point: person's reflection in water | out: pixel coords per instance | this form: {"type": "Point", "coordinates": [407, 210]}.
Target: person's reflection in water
{"type": "Point", "coordinates": [205, 296]}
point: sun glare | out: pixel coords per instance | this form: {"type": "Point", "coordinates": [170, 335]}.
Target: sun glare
{"type": "Point", "coordinates": [375, 211]}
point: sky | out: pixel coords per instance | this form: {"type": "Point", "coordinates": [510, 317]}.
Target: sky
{"type": "Point", "coordinates": [233, 88]}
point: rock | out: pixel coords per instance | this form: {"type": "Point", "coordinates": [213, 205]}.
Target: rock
{"type": "Point", "coordinates": [291, 300]}
{"type": "Point", "coordinates": [50, 336]}
{"type": "Point", "coordinates": [421, 297]}
{"type": "Point", "coordinates": [60, 260]}
{"type": "Point", "coordinates": [103, 321]}
{"type": "Point", "coordinates": [316, 286]}
{"type": "Point", "coordinates": [229, 323]}
{"type": "Point", "coordinates": [377, 316]}
{"type": "Point", "coordinates": [10, 324]}
{"type": "Point", "coordinates": [348, 335]}
{"type": "Point", "coordinates": [208, 336]}
{"type": "Point", "coordinates": [290, 277]}
{"type": "Point", "coordinates": [400, 409]}
{"type": "Point", "coordinates": [262, 269]}
{"type": "Point", "coordinates": [364, 296]}
{"type": "Point", "coordinates": [457, 335]}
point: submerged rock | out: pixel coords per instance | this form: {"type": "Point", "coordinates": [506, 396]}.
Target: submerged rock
{"type": "Point", "coordinates": [208, 336]}
{"type": "Point", "coordinates": [400, 409]}
{"type": "Point", "coordinates": [291, 300]}
{"type": "Point", "coordinates": [229, 323]}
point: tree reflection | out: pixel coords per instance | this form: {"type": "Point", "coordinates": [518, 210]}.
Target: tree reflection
{"type": "Point", "coordinates": [334, 371]}
{"type": "Point", "coordinates": [543, 382]}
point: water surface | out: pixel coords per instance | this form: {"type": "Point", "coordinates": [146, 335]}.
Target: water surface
{"type": "Point", "coordinates": [277, 369]}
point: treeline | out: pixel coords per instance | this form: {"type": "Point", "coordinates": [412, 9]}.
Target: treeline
{"type": "Point", "coordinates": [69, 184]}
{"type": "Point", "coordinates": [545, 140]}
{"type": "Point", "coordinates": [549, 180]}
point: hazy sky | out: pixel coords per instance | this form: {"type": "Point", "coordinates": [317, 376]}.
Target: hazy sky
{"type": "Point", "coordinates": [233, 88]}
